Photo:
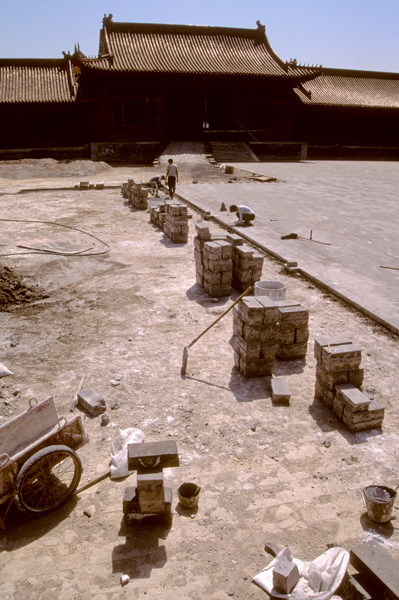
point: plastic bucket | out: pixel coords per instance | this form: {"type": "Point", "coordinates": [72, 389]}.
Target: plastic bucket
{"type": "Point", "coordinates": [379, 501]}
{"type": "Point", "coordinates": [188, 495]}
{"type": "Point", "coordinates": [274, 289]}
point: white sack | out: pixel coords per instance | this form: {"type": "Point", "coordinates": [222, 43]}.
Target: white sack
{"type": "Point", "coordinates": [320, 578]}
{"type": "Point", "coordinates": [4, 371]}
{"type": "Point", "coordinates": [119, 450]}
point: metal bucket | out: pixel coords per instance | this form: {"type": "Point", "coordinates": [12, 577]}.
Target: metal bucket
{"type": "Point", "coordinates": [188, 495]}
{"type": "Point", "coordinates": [379, 501]}
{"type": "Point", "coordinates": [274, 289]}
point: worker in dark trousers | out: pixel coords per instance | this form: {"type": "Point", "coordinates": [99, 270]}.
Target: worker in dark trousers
{"type": "Point", "coordinates": [172, 177]}
{"type": "Point", "coordinates": [154, 184]}
{"type": "Point", "coordinates": [244, 213]}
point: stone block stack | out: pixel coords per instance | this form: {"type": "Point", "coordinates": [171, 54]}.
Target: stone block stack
{"type": "Point", "coordinates": [218, 268]}
{"type": "Point", "coordinates": [339, 378]}
{"type": "Point", "coordinates": [136, 193]}
{"type": "Point", "coordinates": [158, 215]}
{"type": "Point", "coordinates": [213, 264]}
{"type": "Point", "coordinates": [247, 269]}
{"type": "Point", "coordinates": [294, 330]}
{"type": "Point", "coordinates": [176, 222]}
{"type": "Point", "coordinates": [139, 199]}
{"type": "Point", "coordinates": [255, 336]}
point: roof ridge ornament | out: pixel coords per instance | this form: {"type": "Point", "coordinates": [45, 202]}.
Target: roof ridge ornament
{"type": "Point", "coordinates": [107, 20]}
{"type": "Point", "coordinates": [261, 28]}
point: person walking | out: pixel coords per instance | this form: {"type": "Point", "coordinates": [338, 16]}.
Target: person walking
{"type": "Point", "coordinates": [244, 213]}
{"type": "Point", "coordinates": [172, 177]}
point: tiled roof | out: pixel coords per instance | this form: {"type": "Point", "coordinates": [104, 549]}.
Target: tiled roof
{"type": "Point", "coordinates": [351, 88]}
{"type": "Point", "coordinates": [37, 80]}
{"type": "Point", "coordinates": [185, 49]}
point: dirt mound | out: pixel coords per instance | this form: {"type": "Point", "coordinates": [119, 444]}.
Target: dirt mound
{"type": "Point", "coordinates": [31, 168]}
{"type": "Point", "coordinates": [13, 291]}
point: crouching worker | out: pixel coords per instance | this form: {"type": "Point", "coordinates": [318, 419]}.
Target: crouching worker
{"type": "Point", "coordinates": [154, 184]}
{"type": "Point", "coordinates": [244, 213]}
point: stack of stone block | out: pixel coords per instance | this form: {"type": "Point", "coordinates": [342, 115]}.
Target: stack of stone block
{"type": "Point", "coordinates": [213, 261]}
{"type": "Point", "coordinates": [339, 378]}
{"type": "Point", "coordinates": [247, 267]}
{"type": "Point", "coordinates": [293, 331]}
{"type": "Point", "coordinates": [158, 215]}
{"type": "Point", "coordinates": [176, 222]}
{"type": "Point", "coordinates": [255, 336]}
{"type": "Point", "coordinates": [136, 193]}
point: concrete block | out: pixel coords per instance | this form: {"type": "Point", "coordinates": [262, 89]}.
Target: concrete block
{"type": "Point", "coordinates": [234, 239]}
{"type": "Point", "coordinates": [285, 576]}
{"type": "Point", "coordinates": [202, 231]}
{"type": "Point", "coordinates": [352, 397]}
{"type": "Point", "coordinates": [378, 567]}
{"type": "Point", "coordinates": [292, 351]}
{"type": "Point", "coordinates": [341, 358]}
{"type": "Point", "coordinates": [91, 402]}
{"type": "Point", "coordinates": [296, 315]}
{"type": "Point", "coordinates": [364, 420]}
{"type": "Point", "coordinates": [150, 486]}
{"type": "Point", "coordinates": [251, 310]}
{"type": "Point", "coordinates": [337, 340]}
{"type": "Point", "coordinates": [152, 454]}
{"type": "Point", "coordinates": [280, 390]}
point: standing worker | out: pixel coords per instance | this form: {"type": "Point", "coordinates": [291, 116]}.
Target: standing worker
{"type": "Point", "coordinates": [244, 213]}
{"type": "Point", "coordinates": [172, 176]}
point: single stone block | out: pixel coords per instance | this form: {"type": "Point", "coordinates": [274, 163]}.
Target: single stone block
{"type": "Point", "coordinates": [280, 390]}
{"type": "Point", "coordinates": [353, 398]}
{"type": "Point", "coordinates": [251, 310]}
{"type": "Point", "coordinates": [337, 340]}
{"type": "Point", "coordinates": [341, 358]}
{"type": "Point", "coordinates": [202, 230]}
{"type": "Point", "coordinates": [152, 454]}
{"type": "Point", "coordinates": [285, 576]}
{"type": "Point", "coordinates": [292, 351]}
{"type": "Point", "coordinates": [234, 239]}
{"type": "Point", "coordinates": [295, 315]}
{"type": "Point", "coordinates": [91, 402]}
{"type": "Point", "coordinates": [150, 488]}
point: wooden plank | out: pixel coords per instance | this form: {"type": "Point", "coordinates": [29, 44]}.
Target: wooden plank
{"type": "Point", "coordinates": [24, 429]}
{"type": "Point", "coordinates": [377, 566]}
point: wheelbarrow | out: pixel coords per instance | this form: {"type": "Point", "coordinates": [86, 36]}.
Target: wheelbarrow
{"type": "Point", "coordinates": [39, 467]}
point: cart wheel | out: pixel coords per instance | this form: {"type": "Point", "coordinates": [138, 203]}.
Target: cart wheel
{"type": "Point", "coordinates": [47, 479]}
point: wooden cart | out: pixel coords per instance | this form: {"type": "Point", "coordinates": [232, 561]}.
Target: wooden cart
{"type": "Point", "coordinates": [39, 468]}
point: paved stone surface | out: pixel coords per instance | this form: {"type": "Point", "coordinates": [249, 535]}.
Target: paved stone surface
{"type": "Point", "coordinates": [353, 206]}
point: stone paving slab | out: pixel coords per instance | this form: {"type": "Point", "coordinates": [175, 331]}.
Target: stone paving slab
{"type": "Point", "coordinates": [352, 206]}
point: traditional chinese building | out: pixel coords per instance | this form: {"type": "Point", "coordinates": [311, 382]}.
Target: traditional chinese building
{"type": "Point", "coordinates": [154, 83]}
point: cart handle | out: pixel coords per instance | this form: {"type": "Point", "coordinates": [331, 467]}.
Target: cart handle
{"type": "Point", "coordinates": [33, 402]}
{"type": "Point", "coordinates": [4, 459]}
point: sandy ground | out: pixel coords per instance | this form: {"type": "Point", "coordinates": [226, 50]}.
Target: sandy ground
{"type": "Point", "coordinates": [122, 318]}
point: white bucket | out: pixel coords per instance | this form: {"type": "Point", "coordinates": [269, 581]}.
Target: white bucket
{"type": "Point", "coordinates": [274, 289]}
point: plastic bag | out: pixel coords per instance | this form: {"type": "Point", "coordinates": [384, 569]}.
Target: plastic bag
{"type": "Point", "coordinates": [320, 578]}
{"type": "Point", "coordinates": [119, 450]}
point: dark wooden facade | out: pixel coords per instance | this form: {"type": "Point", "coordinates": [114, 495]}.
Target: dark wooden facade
{"type": "Point", "coordinates": [167, 82]}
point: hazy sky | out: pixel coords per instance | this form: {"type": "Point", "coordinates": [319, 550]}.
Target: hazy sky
{"type": "Point", "coordinates": [348, 34]}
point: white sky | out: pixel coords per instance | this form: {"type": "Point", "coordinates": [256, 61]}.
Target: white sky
{"type": "Point", "coordinates": [348, 34]}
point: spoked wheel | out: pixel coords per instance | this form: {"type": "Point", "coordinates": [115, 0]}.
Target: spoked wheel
{"type": "Point", "coordinates": [47, 479]}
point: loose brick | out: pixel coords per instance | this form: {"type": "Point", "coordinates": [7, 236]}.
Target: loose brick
{"type": "Point", "coordinates": [280, 390]}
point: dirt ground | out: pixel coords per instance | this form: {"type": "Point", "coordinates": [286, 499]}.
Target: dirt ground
{"type": "Point", "coordinates": [121, 317]}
